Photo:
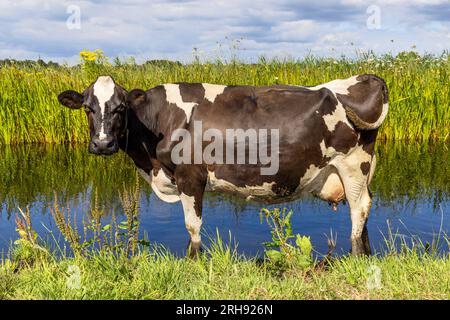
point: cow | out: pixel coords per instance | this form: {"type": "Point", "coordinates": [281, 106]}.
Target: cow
{"type": "Point", "coordinates": [324, 144]}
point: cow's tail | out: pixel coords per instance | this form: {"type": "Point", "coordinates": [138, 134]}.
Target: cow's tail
{"type": "Point", "coordinates": [367, 103]}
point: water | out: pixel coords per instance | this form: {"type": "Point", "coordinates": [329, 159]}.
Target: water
{"type": "Point", "coordinates": [411, 191]}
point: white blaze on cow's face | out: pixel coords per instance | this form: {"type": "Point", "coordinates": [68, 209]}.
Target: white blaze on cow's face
{"type": "Point", "coordinates": [103, 91]}
{"type": "Point", "coordinates": [104, 106]}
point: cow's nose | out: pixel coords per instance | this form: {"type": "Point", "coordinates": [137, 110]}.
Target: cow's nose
{"type": "Point", "coordinates": [106, 145]}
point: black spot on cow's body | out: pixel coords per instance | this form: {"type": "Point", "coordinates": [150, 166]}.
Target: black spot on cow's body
{"type": "Point", "coordinates": [365, 167]}
{"type": "Point", "coordinates": [192, 92]}
{"type": "Point", "coordinates": [367, 140]}
{"type": "Point", "coordinates": [329, 103]}
{"type": "Point", "coordinates": [342, 138]}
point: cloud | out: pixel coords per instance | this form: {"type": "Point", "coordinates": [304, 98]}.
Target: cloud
{"type": "Point", "coordinates": [171, 29]}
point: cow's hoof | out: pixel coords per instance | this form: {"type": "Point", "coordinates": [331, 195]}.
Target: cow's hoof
{"type": "Point", "coordinates": [366, 242]}
{"type": "Point", "coordinates": [323, 264]}
{"type": "Point", "coordinates": [194, 249]}
{"type": "Point", "coordinates": [359, 248]}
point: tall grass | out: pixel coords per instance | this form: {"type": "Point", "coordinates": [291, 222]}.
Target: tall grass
{"type": "Point", "coordinates": [419, 90]}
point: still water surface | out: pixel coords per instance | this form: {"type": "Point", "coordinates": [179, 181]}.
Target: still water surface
{"type": "Point", "coordinates": [411, 191]}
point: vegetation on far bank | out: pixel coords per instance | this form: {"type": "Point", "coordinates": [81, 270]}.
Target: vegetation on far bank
{"type": "Point", "coordinates": [29, 111]}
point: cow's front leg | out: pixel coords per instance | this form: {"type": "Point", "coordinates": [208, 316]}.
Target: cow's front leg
{"type": "Point", "coordinates": [191, 185]}
{"type": "Point", "coordinates": [192, 207]}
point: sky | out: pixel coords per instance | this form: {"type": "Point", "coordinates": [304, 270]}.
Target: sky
{"type": "Point", "coordinates": [179, 29]}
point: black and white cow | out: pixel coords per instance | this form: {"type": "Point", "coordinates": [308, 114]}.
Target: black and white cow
{"type": "Point", "coordinates": [326, 137]}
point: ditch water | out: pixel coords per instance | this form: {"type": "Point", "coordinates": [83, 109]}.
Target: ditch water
{"type": "Point", "coordinates": [411, 191]}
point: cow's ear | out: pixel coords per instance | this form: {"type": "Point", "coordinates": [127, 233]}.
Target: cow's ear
{"type": "Point", "coordinates": [71, 99]}
{"type": "Point", "coordinates": [136, 98]}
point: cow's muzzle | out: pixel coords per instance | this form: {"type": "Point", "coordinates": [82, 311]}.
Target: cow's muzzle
{"type": "Point", "coordinates": [106, 146]}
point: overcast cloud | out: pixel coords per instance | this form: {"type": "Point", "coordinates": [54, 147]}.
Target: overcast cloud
{"type": "Point", "coordinates": [171, 29]}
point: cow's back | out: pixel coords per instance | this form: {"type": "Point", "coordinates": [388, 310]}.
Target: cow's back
{"type": "Point", "coordinates": [314, 133]}
{"type": "Point", "coordinates": [298, 115]}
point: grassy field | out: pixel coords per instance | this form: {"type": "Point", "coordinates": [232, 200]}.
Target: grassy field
{"type": "Point", "coordinates": [29, 111]}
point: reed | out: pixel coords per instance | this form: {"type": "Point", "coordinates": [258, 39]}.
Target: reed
{"type": "Point", "coordinates": [29, 110]}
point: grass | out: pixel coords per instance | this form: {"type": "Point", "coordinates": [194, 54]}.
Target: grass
{"type": "Point", "coordinates": [29, 111]}
{"type": "Point", "coordinates": [222, 274]}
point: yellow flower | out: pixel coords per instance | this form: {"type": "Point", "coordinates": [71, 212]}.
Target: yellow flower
{"type": "Point", "coordinates": [89, 55]}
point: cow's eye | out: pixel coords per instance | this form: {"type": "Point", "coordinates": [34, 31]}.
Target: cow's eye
{"type": "Point", "coordinates": [88, 109]}
{"type": "Point", "coordinates": [119, 109]}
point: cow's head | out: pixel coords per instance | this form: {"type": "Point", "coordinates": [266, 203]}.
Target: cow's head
{"type": "Point", "coordinates": [104, 103]}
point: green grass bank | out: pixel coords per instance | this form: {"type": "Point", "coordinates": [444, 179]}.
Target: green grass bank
{"type": "Point", "coordinates": [29, 110]}
{"type": "Point", "coordinates": [222, 274]}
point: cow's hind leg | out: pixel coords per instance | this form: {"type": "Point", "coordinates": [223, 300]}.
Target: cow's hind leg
{"type": "Point", "coordinates": [366, 241]}
{"type": "Point", "coordinates": [354, 176]}
{"type": "Point", "coordinates": [360, 202]}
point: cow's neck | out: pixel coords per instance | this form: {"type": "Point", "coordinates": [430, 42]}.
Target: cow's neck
{"type": "Point", "coordinates": [139, 143]}
{"type": "Point", "coordinates": [153, 114]}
